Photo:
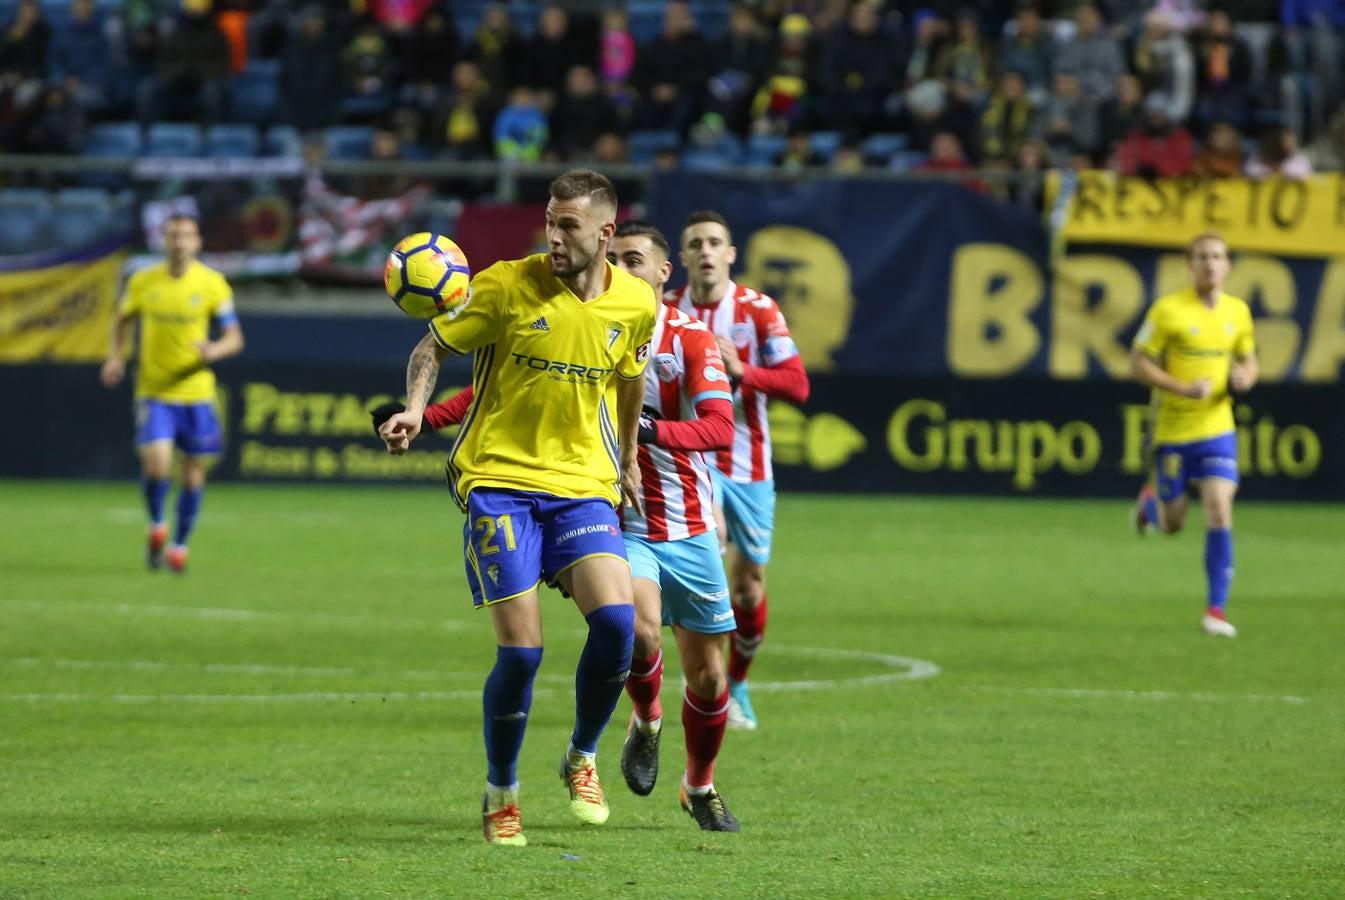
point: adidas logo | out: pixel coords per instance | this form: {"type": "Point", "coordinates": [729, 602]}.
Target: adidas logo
{"type": "Point", "coordinates": [540, 324]}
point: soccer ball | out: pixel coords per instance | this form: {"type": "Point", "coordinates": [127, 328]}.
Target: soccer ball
{"type": "Point", "coordinates": [426, 275]}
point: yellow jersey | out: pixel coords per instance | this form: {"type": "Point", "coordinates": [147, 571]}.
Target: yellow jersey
{"type": "Point", "coordinates": [175, 316]}
{"type": "Point", "coordinates": [1191, 341]}
{"type": "Point", "coordinates": [543, 417]}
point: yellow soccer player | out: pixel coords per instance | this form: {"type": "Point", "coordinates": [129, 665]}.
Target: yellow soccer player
{"type": "Point", "coordinates": [1193, 347]}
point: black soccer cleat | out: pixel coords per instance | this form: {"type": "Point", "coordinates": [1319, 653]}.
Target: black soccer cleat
{"type": "Point", "coordinates": [709, 810]}
{"type": "Point", "coordinates": [639, 759]}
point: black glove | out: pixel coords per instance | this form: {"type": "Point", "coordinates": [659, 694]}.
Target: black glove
{"type": "Point", "coordinates": [648, 432]}
{"type": "Point", "coordinates": [382, 413]}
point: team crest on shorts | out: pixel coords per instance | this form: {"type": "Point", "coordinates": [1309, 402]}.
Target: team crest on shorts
{"type": "Point", "coordinates": [666, 367]}
{"type": "Point", "coordinates": [493, 572]}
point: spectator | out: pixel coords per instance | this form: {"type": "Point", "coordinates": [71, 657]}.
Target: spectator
{"type": "Point", "coordinates": [855, 72]}
{"type": "Point", "coordinates": [1328, 151]}
{"type": "Point", "coordinates": [24, 49]}
{"type": "Point", "coordinates": [670, 71]}
{"type": "Point", "coordinates": [1121, 113]}
{"type": "Point", "coordinates": [616, 48]}
{"type": "Point", "coordinates": [931, 108]}
{"type": "Point", "coordinates": [783, 99]}
{"type": "Point", "coordinates": [1028, 189]}
{"type": "Point", "coordinates": [61, 125]}
{"type": "Point", "coordinates": [496, 48]}
{"type": "Point", "coordinates": [798, 152]}
{"type": "Point", "coordinates": [193, 65]}
{"type": "Point", "coordinates": [1093, 56]}
{"type": "Point", "coordinates": [16, 109]}
{"type": "Point", "coordinates": [1221, 157]}
{"type": "Point", "coordinates": [1157, 147]}
{"type": "Point", "coordinates": [520, 129]}
{"type": "Point", "coordinates": [581, 113]}
{"type": "Point", "coordinates": [399, 17]}
{"type": "Point", "coordinates": [1029, 52]}
{"type": "Point", "coordinates": [1224, 72]}
{"type": "Point", "coordinates": [967, 61]}
{"type": "Point", "coordinates": [744, 58]}
{"type": "Point", "coordinates": [946, 155]}
{"type": "Point", "coordinates": [931, 36]}
{"type": "Point", "coordinates": [427, 57]}
{"type": "Point", "coordinates": [1278, 153]}
{"type": "Point", "coordinates": [380, 185]}
{"type": "Point", "coordinates": [1008, 119]}
{"type": "Point", "coordinates": [848, 159]}
{"type": "Point", "coordinates": [1163, 61]}
{"type": "Point", "coordinates": [311, 72]}
{"type": "Point", "coordinates": [1072, 124]}
{"type": "Point", "coordinates": [79, 55]}
{"type": "Point", "coordinates": [552, 54]}
{"type": "Point", "coordinates": [368, 66]}
{"type": "Point", "coordinates": [610, 150]}
{"type": "Point", "coordinates": [467, 116]}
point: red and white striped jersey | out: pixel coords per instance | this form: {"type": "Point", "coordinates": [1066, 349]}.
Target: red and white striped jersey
{"type": "Point", "coordinates": [757, 328]}
{"type": "Point", "coordinates": [687, 369]}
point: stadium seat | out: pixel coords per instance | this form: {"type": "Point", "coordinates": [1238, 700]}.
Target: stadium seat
{"type": "Point", "coordinates": [642, 145]}
{"type": "Point", "coordinates": [254, 93]}
{"type": "Point", "coordinates": [349, 142]}
{"type": "Point", "coordinates": [880, 148]}
{"type": "Point", "coordinates": [825, 143]}
{"type": "Point", "coordinates": [764, 149]}
{"type": "Point", "coordinates": [702, 159]}
{"type": "Point", "coordinates": [113, 139]}
{"type": "Point", "coordinates": [646, 19]}
{"type": "Point", "coordinates": [172, 139]}
{"type": "Point", "coordinates": [81, 216]}
{"type": "Point", "coordinates": [523, 15]}
{"type": "Point", "coordinates": [712, 18]}
{"type": "Point", "coordinates": [282, 140]}
{"type": "Point", "coordinates": [238, 141]}
{"type": "Point", "coordinates": [25, 219]}
{"type": "Point", "coordinates": [906, 160]}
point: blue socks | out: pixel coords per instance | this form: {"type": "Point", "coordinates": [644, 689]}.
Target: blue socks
{"type": "Point", "coordinates": [1151, 510]}
{"type": "Point", "coordinates": [156, 491]}
{"type": "Point", "coordinates": [1218, 565]}
{"type": "Point", "coordinates": [188, 505]}
{"type": "Point", "coordinates": [506, 701]}
{"type": "Point", "coordinates": [601, 676]}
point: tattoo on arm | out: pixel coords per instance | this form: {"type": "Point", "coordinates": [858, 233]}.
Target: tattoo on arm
{"type": "Point", "coordinates": [422, 371]}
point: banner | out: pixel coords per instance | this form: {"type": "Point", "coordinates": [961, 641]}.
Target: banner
{"type": "Point", "coordinates": [1282, 216]}
{"type": "Point", "coordinates": [1019, 437]}
{"type": "Point", "coordinates": [924, 279]}
{"type": "Point", "coordinates": [59, 306]}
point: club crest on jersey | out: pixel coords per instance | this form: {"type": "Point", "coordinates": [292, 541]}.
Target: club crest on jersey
{"type": "Point", "coordinates": [493, 571]}
{"type": "Point", "coordinates": [741, 333]}
{"type": "Point", "coordinates": [1228, 328]}
{"type": "Point", "coordinates": [666, 367]}
{"type": "Point", "coordinates": [195, 300]}
{"type": "Point", "coordinates": [614, 331]}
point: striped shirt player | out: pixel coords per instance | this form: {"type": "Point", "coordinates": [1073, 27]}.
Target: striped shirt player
{"type": "Point", "coordinates": [763, 361]}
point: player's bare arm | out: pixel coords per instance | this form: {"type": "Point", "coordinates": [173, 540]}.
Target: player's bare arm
{"type": "Point", "coordinates": [114, 367]}
{"type": "Point", "coordinates": [1146, 370]}
{"type": "Point", "coordinates": [629, 399]}
{"type": "Point", "coordinates": [1243, 374]}
{"type": "Point", "coordinates": [229, 343]}
{"type": "Point", "coordinates": [422, 371]}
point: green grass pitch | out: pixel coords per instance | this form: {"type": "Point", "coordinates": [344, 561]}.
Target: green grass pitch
{"type": "Point", "coordinates": [299, 716]}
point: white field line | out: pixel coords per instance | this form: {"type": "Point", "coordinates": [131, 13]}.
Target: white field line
{"type": "Point", "coordinates": [234, 615]}
{"type": "Point", "coordinates": [1105, 694]}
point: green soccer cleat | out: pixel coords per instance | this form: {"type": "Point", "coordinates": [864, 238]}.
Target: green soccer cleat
{"type": "Point", "coordinates": [587, 802]}
{"type": "Point", "coordinates": [709, 810]}
{"type": "Point", "coordinates": [639, 758]}
{"type": "Point", "coordinates": [502, 825]}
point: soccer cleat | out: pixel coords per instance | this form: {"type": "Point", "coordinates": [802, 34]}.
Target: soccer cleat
{"type": "Point", "coordinates": [1140, 521]}
{"type": "Point", "coordinates": [741, 715]}
{"type": "Point", "coordinates": [504, 825]}
{"type": "Point", "coordinates": [709, 810]}
{"type": "Point", "coordinates": [639, 758]}
{"type": "Point", "coordinates": [158, 538]}
{"type": "Point", "coordinates": [1217, 625]}
{"type": "Point", "coordinates": [586, 797]}
{"type": "Point", "coordinates": [177, 559]}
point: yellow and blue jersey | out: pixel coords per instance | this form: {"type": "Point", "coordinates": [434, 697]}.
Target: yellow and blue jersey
{"type": "Point", "coordinates": [1192, 341]}
{"type": "Point", "coordinates": [175, 315]}
{"type": "Point", "coordinates": [543, 417]}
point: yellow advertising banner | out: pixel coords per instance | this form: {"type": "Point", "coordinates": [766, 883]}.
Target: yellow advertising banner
{"type": "Point", "coordinates": [60, 312]}
{"type": "Point", "coordinates": [1279, 216]}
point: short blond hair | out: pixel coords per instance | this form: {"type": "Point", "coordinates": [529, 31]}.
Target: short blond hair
{"type": "Point", "coordinates": [1201, 238]}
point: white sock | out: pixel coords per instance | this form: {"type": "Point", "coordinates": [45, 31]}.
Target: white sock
{"type": "Point", "coordinates": [650, 727]}
{"type": "Point", "coordinates": [574, 757]}
{"type": "Point", "coordinates": [497, 797]}
{"type": "Point", "coordinates": [696, 791]}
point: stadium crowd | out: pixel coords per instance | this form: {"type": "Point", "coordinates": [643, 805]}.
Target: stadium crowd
{"type": "Point", "coordinates": [1176, 88]}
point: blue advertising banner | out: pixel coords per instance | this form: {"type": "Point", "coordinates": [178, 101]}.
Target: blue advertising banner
{"type": "Point", "coordinates": [920, 279]}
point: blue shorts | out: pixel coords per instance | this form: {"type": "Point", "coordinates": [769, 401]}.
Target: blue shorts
{"type": "Point", "coordinates": [690, 576]}
{"type": "Point", "coordinates": [514, 540]}
{"type": "Point", "coordinates": [749, 513]}
{"type": "Point", "coordinates": [1176, 464]}
{"type": "Point", "coordinates": [192, 427]}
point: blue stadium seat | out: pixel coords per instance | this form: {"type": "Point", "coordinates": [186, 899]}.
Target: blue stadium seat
{"type": "Point", "coordinates": [282, 140]}
{"type": "Point", "coordinates": [25, 219]}
{"type": "Point", "coordinates": [81, 216]}
{"type": "Point", "coordinates": [646, 19]}
{"type": "Point", "coordinates": [113, 139]}
{"type": "Point", "coordinates": [523, 15]}
{"type": "Point", "coordinates": [238, 141]}
{"type": "Point", "coordinates": [825, 143]}
{"type": "Point", "coordinates": [349, 142]}
{"type": "Point", "coordinates": [172, 139]}
{"type": "Point", "coordinates": [764, 149]}
{"type": "Point", "coordinates": [880, 148]}
{"type": "Point", "coordinates": [712, 18]}
{"type": "Point", "coordinates": [254, 93]}
{"type": "Point", "coordinates": [702, 159]}
{"type": "Point", "coordinates": [906, 160]}
{"type": "Point", "coordinates": [642, 145]}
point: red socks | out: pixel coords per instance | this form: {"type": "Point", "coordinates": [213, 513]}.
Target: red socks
{"type": "Point", "coordinates": [704, 722]}
{"type": "Point", "coordinates": [746, 640]}
{"type": "Point", "coordinates": [643, 685]}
